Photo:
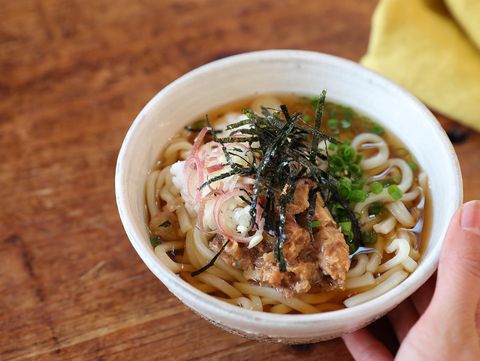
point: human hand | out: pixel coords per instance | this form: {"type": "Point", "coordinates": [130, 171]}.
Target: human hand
{"type": "Point", "coordinates": [448, 327]}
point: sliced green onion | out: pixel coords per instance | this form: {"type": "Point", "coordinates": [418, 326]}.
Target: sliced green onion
{"type": "Point", "coordinates": [348, 154]}
{"type": "Point", "coordinates": [377, 129]}
{"type": "Point", "coordinates": [332, 123]}
{"type": "Point", "coordinates": [346, 182]}
{"type": "Point", "coordinates": [412, 165]}
{"type": "Point", "coordinates": [154, 241]}
{"type": "Point", "coordinates": [395, 192]}
{"type": "Point", "coordinates": [337, 210]}
{"type": "Point", "coordinates": [346, 227]}
{"type": "Point", "coordinates": [345, 187]}
{"type": "Point", "coordinates": [376, 187]}
{"type": "Point", "coordinates": [375, 208]}
{"type": "Point", "coordinates": [343, 191]}
{"type": "Point", "coordinates": [358, 195]}
{"type": "Point", "coordinates": [358, 184]}
{"type": "Point", "coordinates": [316, 224]}
{"type": "Point", "coordinates": [336, 162]}
{"type": "Point", "coordinates": [307, 118]}
{"type": "Point", "coordinates": [369, 237]}
{"type": "Point", "coordinates": [352, 247]}
{"type": "Point", "coordinates": [355, 170]}
{"type": "Point", "coordinates": [332, 146]}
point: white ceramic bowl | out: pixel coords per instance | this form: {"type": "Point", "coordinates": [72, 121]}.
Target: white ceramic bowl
{"type": "Point", "coordinates": [285, 71]}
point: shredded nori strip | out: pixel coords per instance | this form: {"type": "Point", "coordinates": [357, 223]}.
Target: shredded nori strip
{"type": "Point", "coordinates": [312, 201]}
{"type": "Point", "coordinates": [285, 149]}
{"type": "Point", "coordinates": [280, 240]}
{"type": "Point", "coordinates": [281, 138]}
{"type": "Point", "coordinates": [236, 140]}
{"type": "Point", "coordinates": [318, 122]}
{"type": "Point", "coordinates": [212, 261]}
{"type": "Point", "coordinates": [285, 198]}
{"type": "Point", "coordinates": [238, 124]}
{"type": "Point", "coordinates": [219, 177]}
{"type": "Point", "coordinates": [198, 125]}
{"type": "Point", "coordinates": [230, 162]}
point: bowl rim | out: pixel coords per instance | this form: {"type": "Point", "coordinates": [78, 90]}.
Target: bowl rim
{"type": "Point", "coordinates": [378, 305]}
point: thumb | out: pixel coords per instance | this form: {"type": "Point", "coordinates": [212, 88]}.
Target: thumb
{"type": "Point", "coordinates": [458, 282]}
{"type": "Point", "coordinates": [448, 329]}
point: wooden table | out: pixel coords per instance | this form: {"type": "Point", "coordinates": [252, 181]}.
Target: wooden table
{"type": "Point", "coordinates": [73, 75]}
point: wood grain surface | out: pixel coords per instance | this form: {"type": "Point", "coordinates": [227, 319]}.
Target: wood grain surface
{"type": "Point", "coordinates": [73, 75]}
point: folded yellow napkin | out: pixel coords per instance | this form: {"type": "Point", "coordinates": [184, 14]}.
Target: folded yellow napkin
{"type": "Point", "coordinates": [432, 48]}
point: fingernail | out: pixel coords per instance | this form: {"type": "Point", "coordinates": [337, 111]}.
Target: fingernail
{"type": "Point", "coordinates": [470, 218]}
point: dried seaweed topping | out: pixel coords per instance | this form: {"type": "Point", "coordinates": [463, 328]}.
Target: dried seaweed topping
{"type": "Point", "coordinates": [286, 149]}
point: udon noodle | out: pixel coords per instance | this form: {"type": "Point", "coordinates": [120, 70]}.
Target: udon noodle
{"type": "Point", "coordinates": [397, 224]}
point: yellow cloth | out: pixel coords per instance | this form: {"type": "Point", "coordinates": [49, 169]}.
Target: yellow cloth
{"type": "Point", "coordinates": [432, 48]}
